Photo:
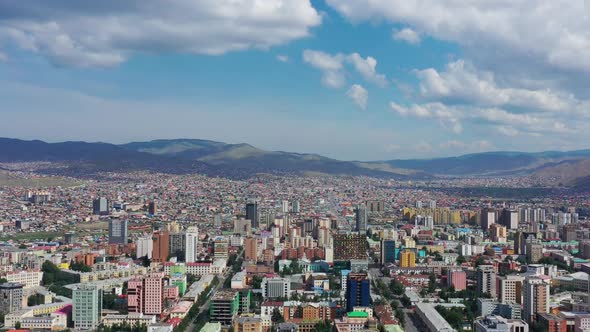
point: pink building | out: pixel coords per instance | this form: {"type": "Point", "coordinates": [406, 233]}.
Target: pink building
{"type": "Point", "coordinates": [171, 293]}
{"type": "Point", "coordinates": [457, 279]}
{"type": "Point", "coordinates": [153, 295]}
{"type": "Point", "coordinates": [147, 296]}
{"type": "Point", "coordinates": [135, 296]}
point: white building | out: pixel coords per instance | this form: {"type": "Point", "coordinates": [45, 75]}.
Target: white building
{"type": "Point", "coordinates": [192, 244]}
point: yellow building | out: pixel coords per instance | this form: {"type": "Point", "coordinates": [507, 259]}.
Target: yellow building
{"type": "Point", "coordinates": [409, 242]}
{"type": "Point", "coordinates": [407, 259]}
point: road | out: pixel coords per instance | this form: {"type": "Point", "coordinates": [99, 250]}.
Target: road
{"type": "Point", "coordinates": [205, 306]}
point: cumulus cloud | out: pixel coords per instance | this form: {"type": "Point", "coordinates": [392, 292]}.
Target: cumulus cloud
{"type": "Point", "coordinates": [475, 146]}
{"type": "Point", "coordinates": [333, 70]}
{"type": "Point", "coordinates": [549, 32]}
{"type": "Point", "coordinates": [105, 33]}
{"type": "Point", "coordinates": [462, 82]}
{"type": "Point", "coordinates": [359, 96]}
{"type": "Point", "coordinates": [408, 35]}
{"type": "Point", "coordinates": [3, 57]}
{"type": "Point", "coordinates": [453, 117]}
{"type": "Point", "coordinates": [283, 58]}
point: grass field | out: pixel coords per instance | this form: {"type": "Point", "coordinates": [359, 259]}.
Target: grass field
{"type": "Point", "coordinates": [8, 179]}
{"type": "Point", "coordinates": [31, 236]}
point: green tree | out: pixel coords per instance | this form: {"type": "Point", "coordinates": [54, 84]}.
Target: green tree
{"type": "Point", "coordinates": [277, 317]}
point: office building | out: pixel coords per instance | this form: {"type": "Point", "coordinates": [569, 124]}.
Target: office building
{"type": "Point", "coordinates": [486, 280]}
{"type": "Point", "coordinates": [152, 208]}
{"type": "Point", "coordinates": [251, 249]}
{"type": "Point", "coordinates": [243, 227]}
{"type": "Point", "coordinates": [376, 206]}
{"type": "Point", "coordinates": [177, 244]}
{"type": "Point", "coordinates": [192, 244]}
{"type": "Point", "coordinates": [488, 217]}
{"type": "Point", "coordinates": [510, 289]}
{"type": "Point", "coordinates": [221, 248]}
{"type": "Point", "coordinates": [387, 251]}
{"type": "Point", "coordinates": [87, 307]}
{"type": "Point", "coordinates": [144, 247]}
{"type": "Point", "coordinates": [146, 295]}
{"type": "Point", "coordinates": [358, 291]}
{"type": "Point", "coordinates": [407, 259]}
{"type": "Point", "coordinates": [100, 206]}
{"type": "Point", "coordinates": [432, 204]}
{"type": "Point", "coordinates": [296, 207]}
{"type": "Point", "coordinates": [11, 297]}
{"type": "Point", "coordinates": [248, 324]}
{"type": "Point", "coordinates": [535, 298]}
{"type": "Point", "coordinates": [276, 288]}
{"type": "Point", "coordinates": [350, 246]}
{"type": "Point", "coordinates": [285, 206]}
{"type": "Point", "coordinates": [509, 218]}
{"type": "Point", "coordinates": [499, 324]}
{"type": "Point", "coordinates": [224, 306]}
{"type": "Point", "coordinates": [161, 246]}
{"type": "Point", "coordinates": [252, 214]}
{"type": "Point", "coordinates": [117, 231]}
{"type": "Point", "coordinates": [534, 250]}
{"type": "Point", "coordinates": [361, 219]}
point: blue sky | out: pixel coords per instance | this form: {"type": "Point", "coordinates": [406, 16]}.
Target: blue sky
{"type": "Point", "coordinates": [350, 79]}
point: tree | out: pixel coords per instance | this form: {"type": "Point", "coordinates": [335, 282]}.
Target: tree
{"type": "Point", "coordinates": [460, 259]}
{"type": "Point", "coordinates": [277, 317]}
{"type": "Point", "coordinates": [17, 326]}
{"type": "Point", "coordinates": [396, 287]}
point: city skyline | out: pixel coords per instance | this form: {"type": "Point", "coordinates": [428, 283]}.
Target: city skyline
{"type": "Point", "coordinates": [352, 80]}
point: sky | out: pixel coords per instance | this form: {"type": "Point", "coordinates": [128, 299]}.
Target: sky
{"type": "Point", "coordinates": [348, 79]}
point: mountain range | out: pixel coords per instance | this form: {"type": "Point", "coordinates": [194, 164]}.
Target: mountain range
{"type": "Point", "coordinates": [569, 168]}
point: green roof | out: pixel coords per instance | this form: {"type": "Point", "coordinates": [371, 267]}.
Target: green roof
{"type": "Point", "coordinates": [358, 314]}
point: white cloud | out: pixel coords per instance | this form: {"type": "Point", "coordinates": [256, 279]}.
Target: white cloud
{"type": "Point", "coordinates": [367, 69]}
{"type": "Point", "coordinates": [283, 58]}
{"type": "Point", "coordinates": [423, 147]}
{"type": "Point", "coordinates": [463, 147]}
{"type": "Point", "coordinates": [105, 33]}
{"type": "Point", "coordinates": [408, 35]}
{"type": "Point", "coordinates": [333, 67]}
{"type": "Point", "coordinates": [330, 65]}
{"type": "Point", "coordinates": [550, 33]}
{"type": "Point", "coordinates": [462, 82]}
{"type": "Point", "coordinates": [505, 122]}
{"type": "Point", "coordinates": [3, 57]}
{"type": "Point", "coordinates": [359, 96]}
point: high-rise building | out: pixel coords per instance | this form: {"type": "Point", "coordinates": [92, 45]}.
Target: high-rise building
{"type": "Point", "coordinates": [509, 218]}
{"type": "Point", "coordinates": [135, 299]}
{"type": "Point", "coordinates": [350, 246]}
{"type": "Point", "coordinates": [457, 279]}
{"type": "Point", "coordinates": [432, 204]}
{"type": "Point", "coordinates": [152, 208]}
{"type": "Point", "coordinates": [192, 244]}
{"type": "Point", "coordinates": [376, 206]}
{"type": "Point", "coordinates": [498, 232]}
{"type": "Point", "coordinates": [535, 298]}
{"type": "Point", "coordinates": [117, 231]}
{"type": "Point", "coordinates": [407, 259]}
{"type": "Point", "coordinates": [285, 206]}
{"type": "Point", "coordinates": [144, 247]}
{"type": "Point", "coordinates": [358, 291]}
{"type": "Point", "coordinates": [418, 204]}
{"type": "Point", "coordinates": [252, 213]}
{"type": "Point", "coordinates": [87, 307]}
{"type": "Point", "coordinates": [11, 297]}
{"type": "Point", "coordinates": [220, 248]}
{"type": "Point", "coordinates": [224, 306]}
{"type": "Point", "coordinates": [534, 250]}
{"type": "Point", "coordinates": [69, 238]}
{"type": "Point", "coordinates": [296, 207]}
{"type": "Point", "coordinates": [486, 280]}
{"type": "Point", "coordinates": [243, 227]}
{"type": "Point", "coordinates": [276, 288]}
{"type": "Point", "coordinates": [161, 246]}
{"type": "Point", "coordinates": [488, 217]}
{"type": "Point", "coordinates": [510, 289]}
{"type": "Point", "coordinates": [177, 245]}
{"type": "Point", "coordinates": [361, 219]}
{"type": "Point", "coordinates": [251, 249]}
{"type": "Point", "coordinates": [387, 251]}
{"type": "Point", "coordinates": [153, 294]}
{"type": "Point", "coordinates": [100, 206]}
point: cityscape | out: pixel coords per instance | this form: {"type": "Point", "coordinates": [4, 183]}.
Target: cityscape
{"type": "Point", "coordinates": [294, 166]}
